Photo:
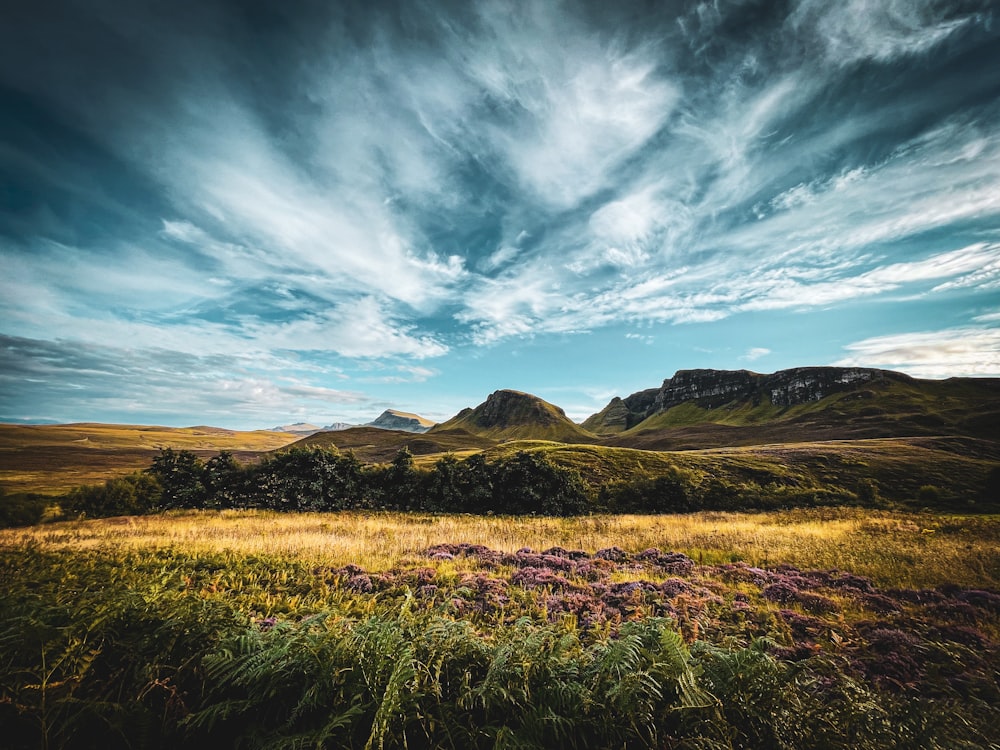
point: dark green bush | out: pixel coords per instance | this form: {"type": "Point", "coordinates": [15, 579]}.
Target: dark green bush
{"type": "Point", "coordinates": [22, 509]}
{"type": "Point", "coordinates": [134, 494]}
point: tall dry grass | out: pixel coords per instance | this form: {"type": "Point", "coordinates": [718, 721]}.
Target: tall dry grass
{"type": "Point", "coordinates": [894, 549]}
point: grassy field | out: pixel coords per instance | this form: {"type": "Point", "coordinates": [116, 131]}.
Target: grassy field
{"type": "Point", "coordinates": [893, 549]}
{"type": "Point", "coordinates": [53, 459]}
{"type": "Point", "coordinates": [959, 467]}
{"type": "Point", "coordinates": [808, 628]}
{"type": "Point", "coordinates": [375, 445]}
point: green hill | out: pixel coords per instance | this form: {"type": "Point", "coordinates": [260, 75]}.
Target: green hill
{"type": "Point", "coordinates": [715, 408]}
{"type": "Point", "coordinates": [513, 415]}
{"type": "Point", "coordinates": [960, 469]}
{"type": "Point", "coordinates": [377, 445]}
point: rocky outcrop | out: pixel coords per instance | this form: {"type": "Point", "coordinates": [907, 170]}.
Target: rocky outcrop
{"type": "Point", "coordinates": [711, 389]}
{"type": "Point", "coordinates": [611, 419]}
{"type": "Point", "coordinates": [622, 413]}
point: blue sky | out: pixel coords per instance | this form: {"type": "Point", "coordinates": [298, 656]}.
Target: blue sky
{"type": "Point", "coordinates": [241, 214]}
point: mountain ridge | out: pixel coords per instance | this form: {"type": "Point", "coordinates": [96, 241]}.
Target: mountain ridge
{"type": "Point", "coordinates": [713, 408]}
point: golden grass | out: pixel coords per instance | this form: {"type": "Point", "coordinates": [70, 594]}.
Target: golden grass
{"type": "Point", "coordinates": [894, 549]}
{"type": "Point", "coordinates": [105, 436]}
{"type": "Point", "coordinates": [53, 459]}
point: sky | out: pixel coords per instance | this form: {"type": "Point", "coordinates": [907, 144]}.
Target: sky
{"type": "Point", "coordinates": [243, 213]}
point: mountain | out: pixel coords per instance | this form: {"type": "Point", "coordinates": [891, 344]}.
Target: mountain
{"type": "Point", "coordinates": [513, 415]}
{"type": "Point", "coordinates": [621, 413]}
{"type": "Point", "coordinates": [714, 408]}
{"type": "Point", "coordinates": [299, 428]}
{"type": "Point", "coordinates": [391, 419]}
{"type": "Point", "coordinates": [338, 426]}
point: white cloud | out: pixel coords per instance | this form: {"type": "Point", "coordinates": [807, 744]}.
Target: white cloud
{"type": "Point", "coordinates": [953, 352]}
{"type": "Point", "coordinates": [755, 353]}
{"type": "Point", "coordinates": [645, 339]}
{"type": "Point", "coordinates": [358, 328]}
{"type": "Point", "coordinates": [577, 105]}
{"type": "Point", "coordinates": [500, 257]}
{"type": "Point", "coordinates": [853, 30]}
{"type": "Point", "coordinates": [779, 289]}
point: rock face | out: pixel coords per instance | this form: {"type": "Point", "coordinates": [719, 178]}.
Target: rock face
{"type": "Point", "coordinates": [710, 389]}
{"type": "Point", "coordinates": [612, 418]}
{"type": "Point", "coordinates": [391, 419]}
{"type": "Point", "coordinates": [515, 415]}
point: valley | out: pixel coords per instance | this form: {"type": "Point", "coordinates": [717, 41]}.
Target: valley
{"type": "Point", "coordinates": [808, 428]}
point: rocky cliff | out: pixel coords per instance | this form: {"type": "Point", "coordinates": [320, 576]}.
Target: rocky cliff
{"type": "Point", "coordinates": [712, 389]}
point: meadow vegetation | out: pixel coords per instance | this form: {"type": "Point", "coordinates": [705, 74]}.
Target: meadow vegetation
{"type": "Point", "coordinates": [533, 595]}
{"type": "Point", "coordinates": [53, 459]}
{"type": "Point", "coordinates": [545, 478]}
{"type": "Point", "coordinates": [361, 629]}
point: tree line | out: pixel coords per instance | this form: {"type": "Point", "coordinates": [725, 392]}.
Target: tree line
{"type": "Point", "coordinates": [320, 479]}
{"type": "Point", "coordinates": [323, 479]}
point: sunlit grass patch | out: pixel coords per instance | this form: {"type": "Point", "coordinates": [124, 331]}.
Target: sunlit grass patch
{"type": "Point", "coordinates": [894, 549]}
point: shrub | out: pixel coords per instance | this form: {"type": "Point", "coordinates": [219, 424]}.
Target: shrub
{"type": "Point", "coordinates": [134, 494]}
{"type": "Point", "coordinates": [928, 494]}
{"type": "Point", "coordinates": [22, 510]}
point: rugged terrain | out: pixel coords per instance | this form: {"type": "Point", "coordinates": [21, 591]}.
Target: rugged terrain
{"type": "Point", "coordinates": [718, 408]}
{"type": "Point", "coordinates": [899, 432]}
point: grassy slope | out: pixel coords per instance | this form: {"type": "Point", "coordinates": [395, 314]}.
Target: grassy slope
{"type": "Point", "coordinates": [51, 459]}
{"type": "Point", "coordinates": [528, 418]}
{"type": "Point", "coordinates": [899, 467]}
{"type": "Point", "coordinates": [562, 433]}
{"type": "Point", "coordinates": [377, 445]}
{"type": "Point", "coordinates": [889, 409]}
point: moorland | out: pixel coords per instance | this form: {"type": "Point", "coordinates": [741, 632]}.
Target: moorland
{"type": "Point", "coordinates": [731, 560]}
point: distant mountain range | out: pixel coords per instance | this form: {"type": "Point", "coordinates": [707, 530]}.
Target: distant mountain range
{"type": "Point", "coordinates": [390, 419]}
{"type": "Point", "coordinates": [303, 428]}
{"type": "Point", "coordinates": [842, 425]}
{"type": "Point", "coordinates": [697, 409]}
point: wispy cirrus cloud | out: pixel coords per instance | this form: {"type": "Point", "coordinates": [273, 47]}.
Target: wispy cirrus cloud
{"type": "Point", "coordinates": [931, 354]}
{"type": "Point", "coordinates": [341, 187]}
{"type": "Point", "coordinates": [857, 29]}
{"type": "Point", "coordinates": [147, 382]}
{"type": "Point", "coordinates": [755, 353]}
